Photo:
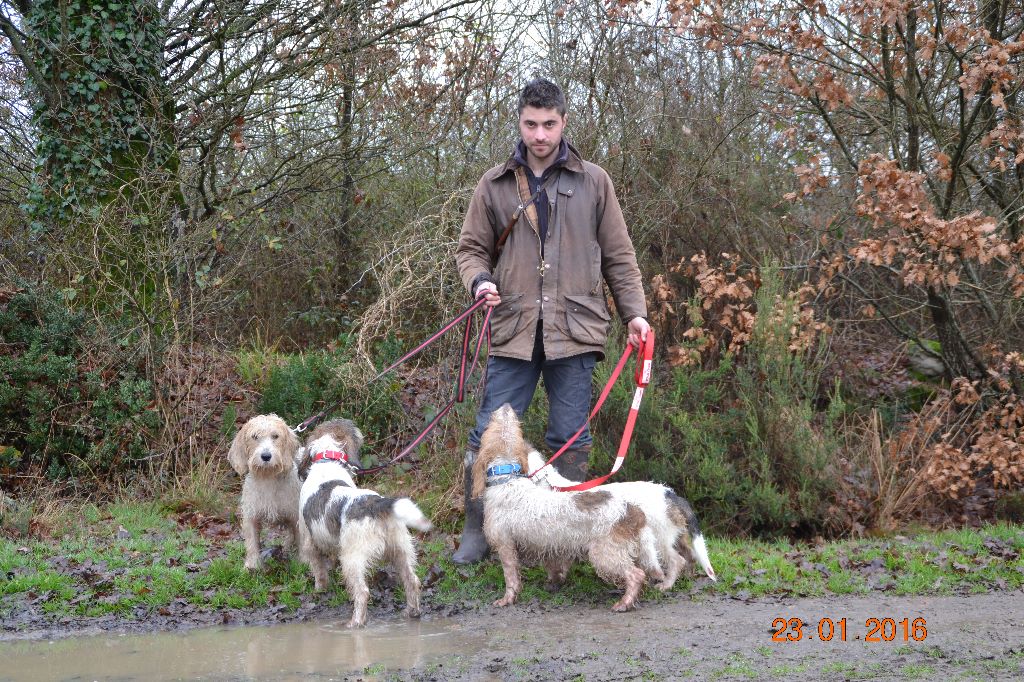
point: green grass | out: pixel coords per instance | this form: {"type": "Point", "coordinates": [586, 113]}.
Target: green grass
{"type": "Point", "coordinates": [736, 666]}
{"type": "Point", "coordinates": [920, 671]}
{"type": "Point", "coordinates": [122, 557]}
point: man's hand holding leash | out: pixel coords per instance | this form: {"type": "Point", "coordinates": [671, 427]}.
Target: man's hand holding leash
{"type": "Point", "coordinates": [489, 291]}
{"type": "Point", "coordinates": [638, 328]}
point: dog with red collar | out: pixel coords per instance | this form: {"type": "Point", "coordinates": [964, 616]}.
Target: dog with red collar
{"type": "Point", "coordinates": [357, 527]}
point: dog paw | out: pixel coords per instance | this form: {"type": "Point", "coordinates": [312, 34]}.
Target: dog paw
{"type": "Point", "coordinates": [412, 613]}
{"type": "Point", "coordinates": [253, 565]}
{"type": "Point", "coordinates": [355, 623]}
{"type": "Point", "coordinates": [622, 606]}
{"type": "Point", "coordinates": [505, 601]}
{"type": "Point", "coordinates": [664, 586]}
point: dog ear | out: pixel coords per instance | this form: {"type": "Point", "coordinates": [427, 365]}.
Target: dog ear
{"type": "Point", "coordinates": [479, 474]}
{"type": "Point", "coordinates": [357, 440]}
{"type": "Point", "coordinates": [535, 460]}
{"type": "Point", "coordinates": [523, 457]}
{"type": "Point", "coordinates": [303, 460]}
{"type": "Point", "coordinates": [237, 454]}
{"type": "Point", "coordinates": [292, 444]}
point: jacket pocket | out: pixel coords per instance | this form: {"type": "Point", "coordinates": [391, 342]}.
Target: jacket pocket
{"type": "Point", "coordinates": [587, 319]}
{"type": "Point", "coordinates": [506, 319]}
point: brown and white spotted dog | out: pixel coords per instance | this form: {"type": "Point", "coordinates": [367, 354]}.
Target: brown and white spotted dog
{"type": "Point", "coordinates": [548, 527]}
{"type": "Point", "coordinates": [354, 526]}
{"type": "Point", "coordinates": [672, 530]}
{"type": "Point", "coordinates": [263, 453]}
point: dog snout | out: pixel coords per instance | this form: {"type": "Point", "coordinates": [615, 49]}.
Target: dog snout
{"type": "Point", "coordinates": [265, 456]}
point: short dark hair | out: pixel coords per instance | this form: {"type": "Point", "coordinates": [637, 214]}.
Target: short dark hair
{"type": "Point", "coordinates": [542, 94]}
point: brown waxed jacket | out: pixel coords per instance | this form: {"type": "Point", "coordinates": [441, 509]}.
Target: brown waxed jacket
{"type": "Point", "coordinates": [586, 241]}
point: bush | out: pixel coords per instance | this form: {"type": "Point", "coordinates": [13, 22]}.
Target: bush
{"type": "Point", "coordinates": [740, 437]}
{"type": "Point", "coordinates": [67, 408]}
{"type": "Point", "coordinates": [299, 386]}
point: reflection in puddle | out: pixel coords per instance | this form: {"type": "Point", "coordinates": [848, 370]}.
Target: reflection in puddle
{"type": "Point", "coordinates": [280, 652]}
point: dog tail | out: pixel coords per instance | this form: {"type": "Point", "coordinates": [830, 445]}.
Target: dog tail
{"type": "Point", "coordinates": [548, 476]}
{"type": "Point", "coordinates": [692, 538]}
{"type": "Point", "coordinates": [406, 511]}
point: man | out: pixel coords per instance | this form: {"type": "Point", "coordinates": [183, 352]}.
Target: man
{"type": "Point", "coordinates": [544, 282]}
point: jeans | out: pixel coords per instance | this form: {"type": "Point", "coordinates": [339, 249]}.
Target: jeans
{"type": "Point", "coordinates": [567, 382]}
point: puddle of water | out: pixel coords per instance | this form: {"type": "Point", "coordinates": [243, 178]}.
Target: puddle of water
{"type": "Point", "coordinates": [280, 652]}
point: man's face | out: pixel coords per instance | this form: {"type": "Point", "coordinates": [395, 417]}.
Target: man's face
{"type": "Point", "coordinates": [541, 130]}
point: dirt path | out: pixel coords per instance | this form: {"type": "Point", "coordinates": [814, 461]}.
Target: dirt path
{"type": "Point", "coordinates": [976, 637]}
{"type": "Point", "coordinates": [979, 637]}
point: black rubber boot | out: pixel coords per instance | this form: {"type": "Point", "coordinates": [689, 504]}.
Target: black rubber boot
{"type": "Point", "coordinates": [574, 464]}
{"type": "Point", "coordinates": [473, 546]}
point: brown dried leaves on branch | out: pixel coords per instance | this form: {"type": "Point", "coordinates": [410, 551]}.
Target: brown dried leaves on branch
{"type": "Point", "coordinates": [724, 312]}
{"type": "Point", "coordinates": [987, 442]}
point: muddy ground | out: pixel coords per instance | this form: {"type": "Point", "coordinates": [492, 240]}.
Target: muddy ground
{"type": "Point", "coordinates": [976, 637]}
{"type": "Point", "coordinates": [685, 636]}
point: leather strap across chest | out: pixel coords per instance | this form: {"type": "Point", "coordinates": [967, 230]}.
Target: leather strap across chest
{"type": "Point", "coordinates": [527, 204]}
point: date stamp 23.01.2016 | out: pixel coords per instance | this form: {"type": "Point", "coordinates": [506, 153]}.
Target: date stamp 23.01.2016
{"type": "Point", "coordinates": [839, 629]}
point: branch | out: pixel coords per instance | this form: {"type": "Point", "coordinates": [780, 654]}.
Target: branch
{"type": "Point", "coordinates": [906, 335]}
{"type": "Point", "coordinates": [835, 133]}
{"type": "Point", "coordinates": [18, 47]}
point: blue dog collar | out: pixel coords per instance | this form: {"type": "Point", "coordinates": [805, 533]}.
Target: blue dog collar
{"type": "Point", "coordinates": [503, 473]}
{"type": "Point", "coordinates": [504, 470]}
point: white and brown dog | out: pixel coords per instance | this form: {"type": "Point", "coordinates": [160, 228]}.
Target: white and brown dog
{"type": "Point", "coordinates": [548, 527]}
{"type": "Point", "coordinates": [264, 452]}
{"type": "Point", "coordinates": [355, 526]}
{"type": "Point", "coordinates": [672, 529]}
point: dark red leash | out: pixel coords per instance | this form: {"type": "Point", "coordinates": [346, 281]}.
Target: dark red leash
{"type": "Point", "coordinates": [438, 334]}
{"type": "Point", "coordinates": [460, 391]}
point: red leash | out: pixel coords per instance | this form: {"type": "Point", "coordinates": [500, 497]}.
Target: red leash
{"type": "Point", "coordinates": [642, 375]}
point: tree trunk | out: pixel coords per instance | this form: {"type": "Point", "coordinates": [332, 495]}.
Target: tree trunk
{"type": "Point", "coordinates": [107, 135]}
{"type": "Point", "coordinates": [959, 358]}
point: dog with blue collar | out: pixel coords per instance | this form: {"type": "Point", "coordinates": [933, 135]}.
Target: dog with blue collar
{"type": "Point", "coordinates": [525, 521]}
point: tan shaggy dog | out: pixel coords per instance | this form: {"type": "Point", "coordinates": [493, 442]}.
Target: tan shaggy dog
{"type": "Point", "coordinates": [264, 452]}
{"type": "Point", "coordinates": [548, 527]}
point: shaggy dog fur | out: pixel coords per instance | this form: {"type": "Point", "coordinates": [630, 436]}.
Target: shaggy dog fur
{"type": "Point", "coordinates": [356, 527]}
{"type": "Point", "coordinates": [550, 527]}
{"type": "Point", "coordinates": [264, 452]}
{"type": "Point", "coordinates": [671, 524]}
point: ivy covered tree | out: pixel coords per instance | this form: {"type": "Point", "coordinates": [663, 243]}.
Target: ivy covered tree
{"type": "Point", "coordinates": [103, 113]}
{"type": "Point", "coordinates": [165, 132]}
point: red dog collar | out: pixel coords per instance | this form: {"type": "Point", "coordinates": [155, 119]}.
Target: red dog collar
{"type": "Point", "coordinates": [333, 455]}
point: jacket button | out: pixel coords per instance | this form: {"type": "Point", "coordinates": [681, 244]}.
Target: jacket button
{"type": "Point", "coordinates": [575, 310]}
{"type": "Point", "coordinates": [546, 298]}
{"type": "Point", "coordinates": [538, 300]}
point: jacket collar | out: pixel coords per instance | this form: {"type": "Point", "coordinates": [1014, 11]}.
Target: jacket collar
{"type": "Point", "coordinates": [568, 156]}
